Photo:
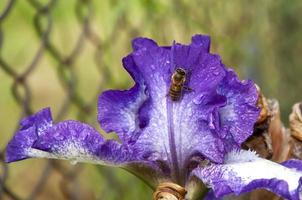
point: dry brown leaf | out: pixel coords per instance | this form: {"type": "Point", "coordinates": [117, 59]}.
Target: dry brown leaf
{"type": "Point", "coordinates": [295, 122]}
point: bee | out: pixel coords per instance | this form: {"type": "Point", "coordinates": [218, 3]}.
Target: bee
{"type": "Point", "coordinates": [178, 80]}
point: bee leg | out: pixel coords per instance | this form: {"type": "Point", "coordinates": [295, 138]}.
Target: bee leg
{"type": "Point", "coordinates": [168, 95]}
{"type": "Point", "coordinates": [188, 89]}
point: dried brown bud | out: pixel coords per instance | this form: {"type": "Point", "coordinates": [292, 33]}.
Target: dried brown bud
{"type": "Point", "coordinates": [279, 134]}
{"type": "Point", "coordinates": [295, 121]}
{"type": "Point", "coordinates": [296, 149]}
{"type": "Point", "coordinates": [169, 191]}
{"type": "Point", "coordinates": [271, 140]}
{"type": "Point", "coordinates": [262, 103]}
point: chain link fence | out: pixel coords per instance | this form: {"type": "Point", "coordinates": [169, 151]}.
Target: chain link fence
{"type": "Point", "coordinates": [43, 23]}
{"type": "Point", "coordinates": [86, 60]}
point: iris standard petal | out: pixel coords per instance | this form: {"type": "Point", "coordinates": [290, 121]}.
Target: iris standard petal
{"type": "Point", "coordinates": [38, 137]}
{"type": "Point", "coordinates": [178, 130]}
{"type": "Point", "coordinates": [141, 43]}
{"type": "Point", "coordinates": [238, 116]}
{"type": "Point", "coordinates": [244, 171]}
{"type": "Point", "coordinates": [118, 110]}
{"type": "Point", "coordinates": [166, 131]}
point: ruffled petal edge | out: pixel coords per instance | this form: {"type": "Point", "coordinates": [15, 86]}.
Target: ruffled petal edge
{"type": "Point", "coordinates": [244, 171]}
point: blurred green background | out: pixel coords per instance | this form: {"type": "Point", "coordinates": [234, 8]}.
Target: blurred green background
{"type": "Point", "coordinates": [259, 39]}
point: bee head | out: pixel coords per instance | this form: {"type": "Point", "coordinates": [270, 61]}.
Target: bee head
{"type": "Point", "coordinates": [180, 71]}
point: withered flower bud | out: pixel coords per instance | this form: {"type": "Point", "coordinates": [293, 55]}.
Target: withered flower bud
{"type": "Point", "coordinates": [295, 121]}
{"type": "Point", "coordinates": [262, 103]}
{"type": "Point", "coordinates": [169, 191]}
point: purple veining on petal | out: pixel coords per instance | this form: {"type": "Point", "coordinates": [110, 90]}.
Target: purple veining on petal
{"type": "Point", "coordinates": [238, 176]}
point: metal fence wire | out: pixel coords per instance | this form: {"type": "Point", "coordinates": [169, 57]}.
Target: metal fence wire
{"type": "Point", "coordinates": [174, 19]}
{"type": "Point", "coordinates": [43, 23]}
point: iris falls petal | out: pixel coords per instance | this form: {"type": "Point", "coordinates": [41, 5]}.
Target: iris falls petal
{"type": "Point", "coordinates": [244, 171]}
{"type": "Point", "coordinates": [39, 137]}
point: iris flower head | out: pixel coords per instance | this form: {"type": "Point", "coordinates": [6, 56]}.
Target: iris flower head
{"type": "Point", "coordinates": [195, 139]}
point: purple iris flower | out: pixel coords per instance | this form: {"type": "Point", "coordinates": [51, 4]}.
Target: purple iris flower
{"type": "Point", "coordinates": [190, 141]}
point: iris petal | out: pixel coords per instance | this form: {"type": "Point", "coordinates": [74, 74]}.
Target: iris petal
{"type": "Point", "coordinates": [211, 196]}
{"type": "Point", "coordinates": [71, 140]}
{"type": "Point", "coordinates": [117, 110]}
{"type": "Point", "coordinates": [178, 130]}
{"type": "Point", "coordinates": [237, 117]}
{"type": "Point", "coordinates": [244, 171]}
